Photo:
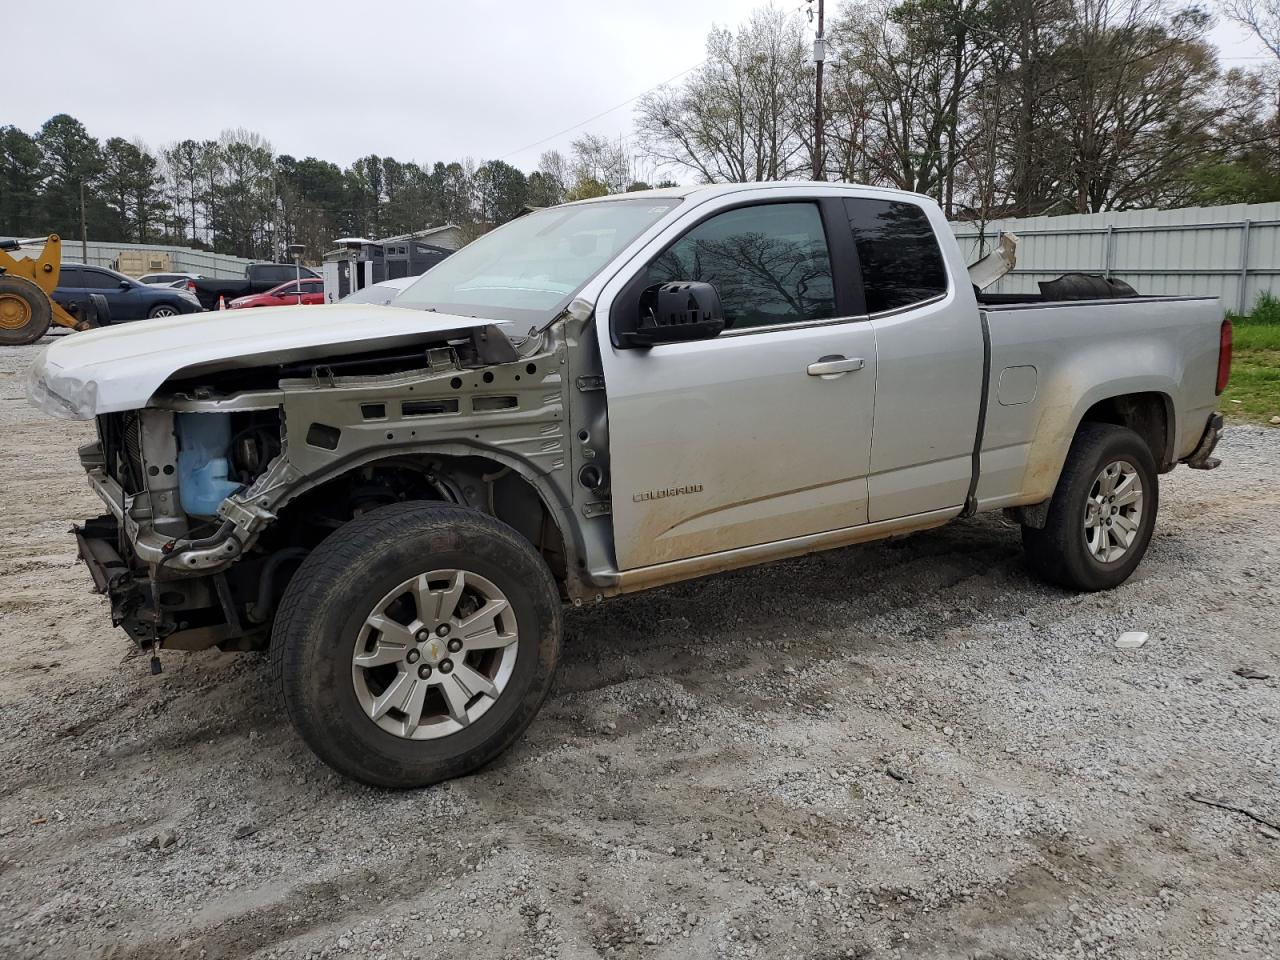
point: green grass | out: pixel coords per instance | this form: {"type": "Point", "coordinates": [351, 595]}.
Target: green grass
{"type": "Point", "coordinates": [1255, 368]}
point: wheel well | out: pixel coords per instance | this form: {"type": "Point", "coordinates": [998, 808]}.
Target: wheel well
{"type": "Point", "coordinates": [472, 481]}
{"type": "Point", "coordinates": [1146, 414]}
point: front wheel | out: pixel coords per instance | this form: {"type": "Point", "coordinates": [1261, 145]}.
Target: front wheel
{"type": "Point", "coordinates": [1102, 514]}
{"type": "Point", "coordinates": [162, 310]}
{"type": "Point", "coordinates": [416, 643]}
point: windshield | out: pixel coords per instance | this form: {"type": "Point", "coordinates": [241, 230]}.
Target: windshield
{"type": "Point", "coordinates": [529, 269]}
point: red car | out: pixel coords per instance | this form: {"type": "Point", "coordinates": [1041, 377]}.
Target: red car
{"type": "Point", "coordinates": [284, 295]}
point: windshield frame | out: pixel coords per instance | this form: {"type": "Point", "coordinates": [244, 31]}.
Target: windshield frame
{"type": "Point", "coordinates": [539, 316]}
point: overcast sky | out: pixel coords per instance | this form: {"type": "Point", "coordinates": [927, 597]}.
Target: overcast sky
{"type": "Point", "coordinates": [420, 81]}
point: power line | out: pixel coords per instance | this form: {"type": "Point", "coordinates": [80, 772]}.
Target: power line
{"type": "Point", "coordinates": [602, 113]}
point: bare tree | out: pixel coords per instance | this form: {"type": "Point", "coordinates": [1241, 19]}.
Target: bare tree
{"type": "Point", "coordinates": [1262, 17]}
{"type": "Point", "coordinates": [745, 114]}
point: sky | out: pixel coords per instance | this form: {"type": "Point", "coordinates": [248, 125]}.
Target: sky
{"type": "Point", "coordinates": [422, 81]}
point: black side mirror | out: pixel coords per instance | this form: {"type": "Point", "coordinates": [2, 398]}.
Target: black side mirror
{"type": "Point", "coordinates": [674, 312]}
{"type": "Point", "coordinates": [125, 284]}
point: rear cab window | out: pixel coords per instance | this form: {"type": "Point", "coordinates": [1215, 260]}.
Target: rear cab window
{"type": "Point", "coordinates": [898, 253]}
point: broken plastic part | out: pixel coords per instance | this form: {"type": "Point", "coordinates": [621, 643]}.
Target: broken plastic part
{"type": "Point", "coordinates": [995, 264]}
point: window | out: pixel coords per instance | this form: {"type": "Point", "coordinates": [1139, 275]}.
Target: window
{"type": "Point", "coordinates": [769, 263]}
{"type": "Point", "coordinates": [97, 280]}
{"type": "Point", "coordinates": [901, 262]}
{"type": "Point", "coordinates": [312, 286]}
{"type": "Point", "coordinates": [529, 269]}
{"type": "Point", "coordinates": [70, 277]}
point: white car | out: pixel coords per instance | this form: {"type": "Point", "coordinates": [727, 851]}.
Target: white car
{"type": "Point", "coordinates": [383, 294]}
{"type": "Point", "coordinates": [168, 279]}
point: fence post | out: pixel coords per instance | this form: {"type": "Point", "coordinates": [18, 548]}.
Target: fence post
{"type": "Point", "coordinates": [1106, 251]}
{"type": "Point", "coordinates": [1244, 268]}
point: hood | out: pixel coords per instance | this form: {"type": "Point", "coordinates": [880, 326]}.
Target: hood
{"type": "Point", "coordinates": [119, 368]}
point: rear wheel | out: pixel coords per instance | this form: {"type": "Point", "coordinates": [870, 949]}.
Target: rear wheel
{"type": "Point", "coordinates": [416, 643]}
{"type": "Point", "coordinates": [25, 313]}
{"type": "Point", "coordinates": [1102, 514]}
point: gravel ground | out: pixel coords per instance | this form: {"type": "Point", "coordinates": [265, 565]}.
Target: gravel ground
{"type": "Point", "coordinates": [905, 749]}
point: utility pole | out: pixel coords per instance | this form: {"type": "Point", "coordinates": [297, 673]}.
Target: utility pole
{"type": "Point", "coordinates": [819, 56]}
{"type": "Point", "coordinates": [84, 231]}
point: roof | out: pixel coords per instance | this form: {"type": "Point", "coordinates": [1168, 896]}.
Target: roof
{"type": "Point", "coordinates": [708, 190]}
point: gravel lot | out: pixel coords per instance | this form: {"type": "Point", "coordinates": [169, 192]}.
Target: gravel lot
{"type": "Point", "coordinates": [907, 749]}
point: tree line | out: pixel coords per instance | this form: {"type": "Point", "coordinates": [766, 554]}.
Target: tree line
{"type": "Point", "coordinates": [236, 195]}
{"type": "Point", "coordinates": [992, 107]}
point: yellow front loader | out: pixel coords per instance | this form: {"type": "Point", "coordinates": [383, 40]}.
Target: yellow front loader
{"type": "Point", "coordinates": [26, 293]}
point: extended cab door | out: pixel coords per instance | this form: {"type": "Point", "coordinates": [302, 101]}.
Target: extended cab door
{"type": "Point", "coordinates": [929, 338]}
{"type": "Point", "coordinates": [763, 433]}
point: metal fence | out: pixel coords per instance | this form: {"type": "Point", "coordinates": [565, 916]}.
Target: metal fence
{"type": "Point", "coordinates": [183, 259]}
{"type": "Point", "coordinates": [1230, 252]}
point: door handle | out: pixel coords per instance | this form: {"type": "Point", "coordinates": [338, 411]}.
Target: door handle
{"type": "Point", "coordinates": [834, 366]}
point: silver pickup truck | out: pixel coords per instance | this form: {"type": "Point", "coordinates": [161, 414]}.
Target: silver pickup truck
{"type": "Point", "coordinates": [595, 399]}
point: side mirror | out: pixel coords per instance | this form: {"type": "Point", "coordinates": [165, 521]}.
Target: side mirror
{"type": "Point", "coordinates": [125, 284]}
{"type": "Point", "coordinates": [674, 312]}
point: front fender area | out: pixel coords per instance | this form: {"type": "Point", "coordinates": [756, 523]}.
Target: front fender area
{"type": "Point", "coordinates": [455, 427]}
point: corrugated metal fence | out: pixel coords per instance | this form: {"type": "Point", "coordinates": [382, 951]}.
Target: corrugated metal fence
{"type": "Point", "coordinates": [1231, 252]}
{"type": "Point", "coordinates": [184, 259]}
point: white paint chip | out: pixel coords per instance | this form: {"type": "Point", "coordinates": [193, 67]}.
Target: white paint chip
{"type": "Point", "coordinates": [1131, 640]}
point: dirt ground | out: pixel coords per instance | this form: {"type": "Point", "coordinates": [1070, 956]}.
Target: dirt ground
{"type": "Point", "coordinates": [908, 749]}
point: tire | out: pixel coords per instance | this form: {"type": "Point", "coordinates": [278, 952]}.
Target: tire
{"type": "Point", "coordinates": [324, 623]}
{"type": "Point", "coordinates": [25, 313]}
{"type": "Point", "coordinates": [1070, 550]}
{"type": "Point", "coordinates": [163, 310]}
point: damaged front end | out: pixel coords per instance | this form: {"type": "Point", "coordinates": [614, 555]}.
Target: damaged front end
{"type": "Point", "coordinates": [220, 487]}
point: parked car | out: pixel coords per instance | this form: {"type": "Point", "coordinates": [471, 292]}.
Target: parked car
{"type": "Point", "coordinates": [382, 293]}
{"type": "Point", "coordinates": [258, 278]}
{"type": "Point", "coordinates": [126, 299]}
{"type": "Point", "coordinates": [169, 279]}
{"type": "Point", "coordinates": [596, 399]}
{"type": "Point", "coordinates": [284, 295]}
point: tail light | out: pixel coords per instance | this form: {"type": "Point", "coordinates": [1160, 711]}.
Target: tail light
{"type": "Point", "coordinates": [1224, 355]}
{"type": "Point", "coordinates": [191, 285]}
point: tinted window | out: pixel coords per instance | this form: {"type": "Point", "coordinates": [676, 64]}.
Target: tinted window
{"type": "Point", "coordinates": [70, 277]}
{"type": "Point", "coordinates": [97, 280]}
{"type": "Point", "coordinates": [769, 263]}
{"type": "Point", "coordinates": [901, 262]}
{"type": "Point", "coordinates": [312, 286]}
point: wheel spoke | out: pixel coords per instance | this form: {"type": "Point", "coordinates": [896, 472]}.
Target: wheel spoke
{"type": "Point", "coordinates": [1125, 529]}
{"type": "Point", "coordinates": [396, 695]}
{"type": "Point", "coordinates": [413, 707]}
{"type": "Point", "coordinates": [392, 632]}
{"type": "Point", "coordinates": [1127, 491]}
{"type": "Point", "coordinates": [474, 682]}
{"type": "Point", "coordinates": [483, 620]}
{"type": "Point", "coordinates": [384, 652]}
{"type": "Point", "coordinates": [456, 697]}
{"type": "Point", "coordinates": [1107, 481]}
{"type": "Point", "coordinates": [437, 605]}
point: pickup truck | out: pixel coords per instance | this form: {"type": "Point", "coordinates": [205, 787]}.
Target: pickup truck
{"type": "Point", "coordinates": [595, 399]}
{"type": "Point", "coordinates": [258, 278]}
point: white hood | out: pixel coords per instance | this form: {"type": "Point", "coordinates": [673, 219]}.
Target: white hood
{"type": "Point", "coordinates": [119, 368]}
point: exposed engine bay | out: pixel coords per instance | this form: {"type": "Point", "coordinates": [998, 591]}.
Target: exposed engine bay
{"type": "Point", "coordinates": [219, 488]}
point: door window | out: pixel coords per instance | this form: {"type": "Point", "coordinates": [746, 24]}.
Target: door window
{"type": "Point", "coordinates": [70, 277]}
{"type": "Point", "coordinates": [769, 263]}
{"type": "Point", "coordinates": [901, 262]}
{"type": "Point", "coordinates": [96, 280]}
